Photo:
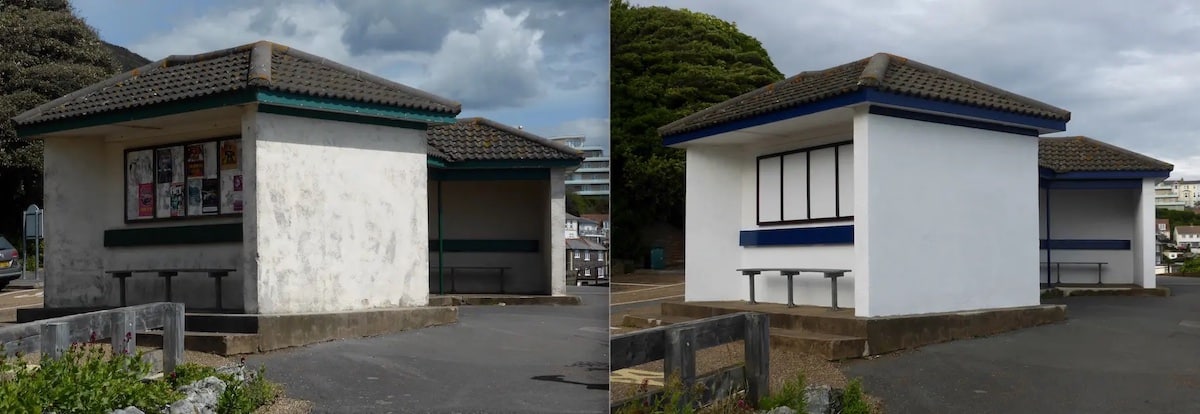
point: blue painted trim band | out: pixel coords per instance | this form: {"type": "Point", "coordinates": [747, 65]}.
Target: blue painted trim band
{"type": "Point", "coordinates": [1092, 184]}
{"type": "Point", "coordinates": [798, 236]}
{"type": "Point", "coordinates": [1110, 175]}
{"type": "Point", "coordinates": [1083, 244]}
{"type": "Point", "coordinates": [1044, 172]}
{"type": "Point", "coordinates": [947, 120]}
{"type": "Point", "coordinates": [888, 98]}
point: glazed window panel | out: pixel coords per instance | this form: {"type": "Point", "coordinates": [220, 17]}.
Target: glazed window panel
{"type": "Point", "coordinates": [806, 184]}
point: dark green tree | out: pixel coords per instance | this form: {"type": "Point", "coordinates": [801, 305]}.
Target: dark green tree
{"type": "Point", "coordinates": [46, 52]}
{"type": "Point", "coordinates": [667, 64]}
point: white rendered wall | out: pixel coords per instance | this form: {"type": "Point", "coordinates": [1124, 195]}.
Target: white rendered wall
{"type": "Point", "coordinates": [1091, 215]}
{"type": "Point", "coordinates": [556, 242]}
{"type": "Point", "coordinates": [341, 212]}
{"type": "Point", "coordinates": [952, 215]}
{"type": "Point", "coordinates": [808, 288]}
{"type": "Point", "coordinates": [492, 210]}
{"type": "Point", "coordinates": [1144, 240]}
{"type": "Point", "coordinates": [712, 218]}
{"type": "Point", "coordinates": [84, 196]}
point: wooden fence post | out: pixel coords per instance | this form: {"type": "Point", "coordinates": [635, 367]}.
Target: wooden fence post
{"type": "Point", "coordinates": [681, 360]}
{"type": "Point", "coordinates": [172, 336]}
{"type": "Point", "coordinates": [56, 338]}
{"type": "Point", "coordinates": [758, 357]}
{"type": "Point", "coordinates": [123, 332]}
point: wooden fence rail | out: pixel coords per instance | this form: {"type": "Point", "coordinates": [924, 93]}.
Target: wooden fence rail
{"type": "Point", "coordinates": [676, 346]}
{"type": "Point", "coordinates": [53, 336]}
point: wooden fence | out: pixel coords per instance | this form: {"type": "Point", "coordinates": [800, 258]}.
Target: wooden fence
{"type": "Point", "coordinates": [53, 336]}
{"type": "Point", "coordinates": [676, 346]}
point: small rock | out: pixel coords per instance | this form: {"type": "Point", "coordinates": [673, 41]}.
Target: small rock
{"type": "Point", "coordinates": [238, 372]}
{"type": "Point", "coordinates": [127, 410]}
{"type": "Point", "coordinates": [819, 399]}
{"type": "Point", "coordinates": [200, 397]}
{"type": "Point", "coordinates": [781, 410]}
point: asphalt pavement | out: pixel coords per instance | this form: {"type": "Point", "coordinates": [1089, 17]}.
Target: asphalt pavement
{"type": "Point", "coordinates": [496, 359]}
{"type": "Point", "coordinates": [1112, 355]}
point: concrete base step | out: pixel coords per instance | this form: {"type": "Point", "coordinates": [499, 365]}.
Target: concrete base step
{"type": "Point", "coordinates": [828, 346]}
{"type": "Point", "coordinates": [831, 347]}
{"type": "Point", "coordinates": [224, 344]}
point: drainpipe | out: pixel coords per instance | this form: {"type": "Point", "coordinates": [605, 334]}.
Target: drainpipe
{"type": "Point", "coordinates": [441, 242]}
{"type": "Point", "coordinates": [1049, 277]}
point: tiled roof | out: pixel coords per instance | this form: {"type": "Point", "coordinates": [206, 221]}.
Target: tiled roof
{"type": "Point", "coordinates": [1068, 154]}
{"type": "Point", "coordinates": [884, 72]}
{"type": "Point", "coordinates": [479, 139]}
{"type": "Point", "coordinates": [263, 65]}
{"type": "Point", "coordinates": [1187, 229]}
{"type": "Point", "coordinates": [584, 244]}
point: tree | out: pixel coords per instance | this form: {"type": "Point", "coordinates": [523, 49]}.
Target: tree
{"type": "Point", "coordinates": [667, 64]}
{"type": "Point", "coordinates": [47, 52]}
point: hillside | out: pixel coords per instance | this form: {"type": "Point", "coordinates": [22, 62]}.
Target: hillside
{"type": "Point", "coordinates": [125, 57]}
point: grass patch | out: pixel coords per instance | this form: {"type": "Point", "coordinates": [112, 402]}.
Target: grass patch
{"type": "Point", "coordinates": [853, 400]}
{"type": "Point", "coordinates": [89, 379]}
{"type": "Point", "coordinates": [790, 395]}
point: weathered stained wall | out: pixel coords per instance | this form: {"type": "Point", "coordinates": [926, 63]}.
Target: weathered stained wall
{"type": "Point", "coordinates": [556, 241]}
{"type": "Point", "coordinates": [340, 212]}
{"type": "Point", "coordinates": [84, 193]}
{"type": "Point", "coordinates": [491, 210]}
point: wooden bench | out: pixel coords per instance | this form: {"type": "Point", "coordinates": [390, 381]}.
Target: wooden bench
{"type": "Point", "coordinates": [831, 274]}
{"type": "Point", "coordinates": [1058, 270]}
{"type": "Point", "coordinates": [503, 270]}
{"type": "Point", "coordinates": [215, 273]}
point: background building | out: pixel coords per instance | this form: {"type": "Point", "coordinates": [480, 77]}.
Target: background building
{"type": "Point", "coordinates": [591, 178]}
{"type": "Point", "coordinates": [587, 250]}
{"type": "Point", "coordinates": [1176, 194]}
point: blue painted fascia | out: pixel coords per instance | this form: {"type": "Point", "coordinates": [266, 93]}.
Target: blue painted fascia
{"type": "Point", "coordinates": [1092, 184]}
{"type": "Point", "coordinates": [797, 236]}
{"type": "Point", "coordinates": [1085, 244]}
{"type": "Point", "coordinates": [874, 96]}
{"type": "Point", "coordinates": [1110, 175]}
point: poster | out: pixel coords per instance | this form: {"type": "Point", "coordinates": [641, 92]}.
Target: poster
{"type": "Point", "coordinates": [230, 154]}
{"type": "Point", "coordinates": [211, 167]}
{"type": "Point", "coordinates": [194, 197]}
{"type": "Point", "coordinates": [195, 161]}
{"type": "Point", "coordinates": [208, 196]}
{"type": "Point", "coordinates": [176, 200]}
{"type": "Point", "coordinates": [166, 165]}
{"type": "Point", "coordinates": [231, 191]}
{"type": "Point", "coordinates": [139, 173]}
{"type": "Point", "coordinates": [169, 166]}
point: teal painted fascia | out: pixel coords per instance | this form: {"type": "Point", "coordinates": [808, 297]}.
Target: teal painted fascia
{"type": "Point", "coordinates": [434, 162]}
{"type": "Point", "coordinates": [491, 164]}
{"type": "Point", "coordinates": [338, 116]}
{"type": "Point", "coordinates": [139, 113]}
{"type": "Point", "coordinates": [511, 174]}
{"type": "Point", "coordinates": [351, 107]}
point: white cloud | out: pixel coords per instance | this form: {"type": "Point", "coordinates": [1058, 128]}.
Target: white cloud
{"type": "Point", "coordinates": [594, 130]}
{"type": "Point", "coordinates": [495, 66]}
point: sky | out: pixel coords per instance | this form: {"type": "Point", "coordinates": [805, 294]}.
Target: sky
{"type": "Point", "coordinates": [538, 64]}
{"type": "Point", "coordinates": [1128, 71]}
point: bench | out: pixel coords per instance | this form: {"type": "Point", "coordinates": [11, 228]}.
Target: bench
{"type": "Point", "coordinates": [831, 274]}
{"type": "Point", "coordinates": [1058, 270]}
{"type": "Point", "coordinates": [502, 271]}
{"type": "Point", "coordinates": [216, 274]}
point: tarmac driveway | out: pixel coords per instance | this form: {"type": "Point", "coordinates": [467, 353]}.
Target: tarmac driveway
{"type": "Point", "coordinates": [496, 359]}
{"type": "Point", "coordinates": [1112, 355]}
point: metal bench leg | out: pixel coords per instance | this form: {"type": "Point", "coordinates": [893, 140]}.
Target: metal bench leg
{"type": "Point", "coordinates": [122, 279]}
{"type": "Point", "coordinates": [219, 307]}
{"type": "Point", "coordinates": [1099, 274]}
{"type": "Point", "coordinates": [501, 281]}
{"type": "Point", "coordinates": [833, 277]}
{"type": "Point", "coordinates": [751, 288]}
{"type": "Point", "coordinates": [791, 304]}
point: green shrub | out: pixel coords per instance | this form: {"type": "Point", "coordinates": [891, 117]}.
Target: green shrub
{"type": "Point", "coordinates": [791, 395]}
{"type": "Point", "coordinates": [853, 400]}
{"type": "Point", "coordinates": [86, 379]}
{"type": "Point", "coordinates": [1191, 266]}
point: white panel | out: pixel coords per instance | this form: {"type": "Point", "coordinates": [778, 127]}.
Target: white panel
{"type": "Point", "coordinates": [822, 185]}
{"type": "Point", "coordinates": [795, 186]}
{"type": "Point", "coordinates": [846, 180]}
{"type": "Point", "coordinates": [768, 189]}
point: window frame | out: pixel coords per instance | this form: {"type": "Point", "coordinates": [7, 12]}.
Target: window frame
{"type": "Point", "coordinates": [837, 199]}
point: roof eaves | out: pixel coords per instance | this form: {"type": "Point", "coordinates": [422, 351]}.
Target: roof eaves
{"type": "Point", "coordinates": [1062, 114]}
{"type": "Point", "coordinates": [455, 107]}
{"type": "Point", "coordinates": [563, 148]}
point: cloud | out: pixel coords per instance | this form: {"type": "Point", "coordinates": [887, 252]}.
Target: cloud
{"type": "Point", "coordinates": [594, 130]}
{"type": "Point", "coordinates": [495, 66]}
{"type": "Point", "coordinates": [1122, 68]}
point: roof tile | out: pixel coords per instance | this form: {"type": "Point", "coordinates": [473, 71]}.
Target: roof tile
{"type": "Point", "coordinates": [1071, 154]}
{"type": "Point", "coordinates": [479, 139]}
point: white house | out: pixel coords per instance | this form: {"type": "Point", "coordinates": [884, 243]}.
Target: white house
{"type": "Point", "coordinates": [324, 188]}
{"type": "Point", "coordinates": [919, 181]}
{"type": "Point", "coordinates": [1187, 237]}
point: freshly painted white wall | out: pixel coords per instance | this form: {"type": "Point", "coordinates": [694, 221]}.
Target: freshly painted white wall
{"type": "Point", "coordinates": [84, 193]}
{"type": "Point", "coordinates": [341, 213]}
{"type": "Point", "coordinates": [1091, 215]}
{"type": "Point", "coordinates": [492, 210]}
{"type": "Point", "coordinates": [1144, 240]}
{"type": "Point", "coordinates": [921, 245]}
{"type": "Point", "coordinates": [809, 289]}
{"type": "Point", "coordinates": [713, 213]}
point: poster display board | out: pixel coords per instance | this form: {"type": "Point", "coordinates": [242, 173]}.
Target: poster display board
{"type": "Point", "coordinates": [175, 181]}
